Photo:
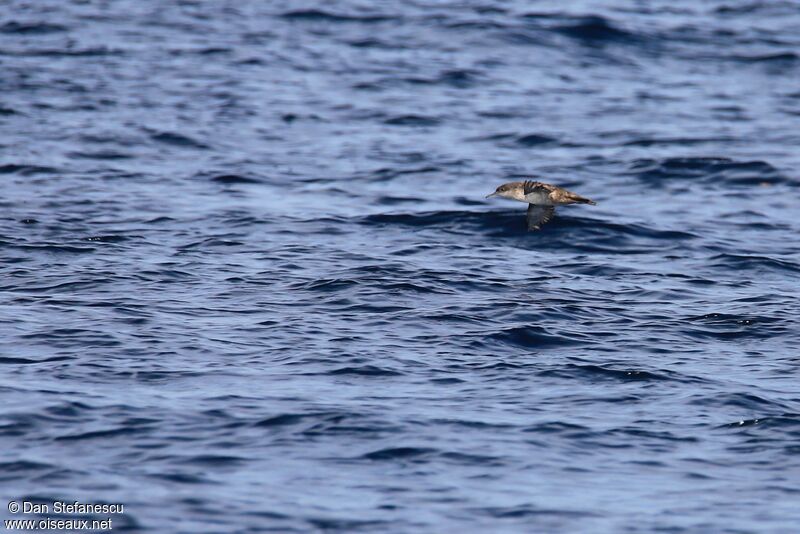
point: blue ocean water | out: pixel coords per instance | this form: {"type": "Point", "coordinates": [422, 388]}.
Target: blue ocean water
{"type": "Point", "coordinates": [250, 282]}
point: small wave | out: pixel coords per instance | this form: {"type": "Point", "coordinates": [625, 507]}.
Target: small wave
{"type": "Point", "coordinates": [782, 58]}
{"type": "Point", "coordinates": [365, 370]}
{"type": "Point", "coordinates": [591, 29]}
{"type": "Point", "coordinates": [176, 139]}
{"type": "Point", "coordinates": [26, 361]}
{"type": "Point", "coordinates": [69, 410]}
{"type": "Point", "coordinates": [107, 238]}
{"type": "Point", "coordinates": [399, 453]}
{"type": "Point", "coordinates": [211, 460]}
{"type": "Point", "coordinates": [648, 434]}
{"type": "Point", "coordinates": [493, 137]}
{"type": "Point", "coordinates": [785, 421]}
{"type": "Point", "coordinates": [754, 263]}
{"type": "Point", "coordinates": [463, 458]}
{"type": "Point", "coordinates": [513, 140]}
{"type": "Point", "coordinates": [528, 511]}
{"type": "Point", "coordinates": [328, 524]}
{"type": "Point", "coordinates": [480, 425]}
{"type": "Point", "coordinates": [713, 171]}
{"type": "Point", "coordinates": [318, 422]}
{"type": "Point", "coordinates": [676, 141]}
{"type": "Point", "coordinates": [373, 42]}
{"type": "Point", "coordinates": [55, 248]}
{"type": "Point", "coordinates": [412, 120]}
{"type": "Point", "coordinates": [104, 434]}
{"type": "Point", "coordinates": [180, 478]}
{"type": "Point", "coordinates": [282, 420]}
{"type": "Point", "coordinates": [325, 284]}
{"type": "Point", "coordinates": [535, 140]}
{"type": "Point", "coordinates": [419, 219]}
{"type": "Point", "coordinates": [68, 52]}
{"type": "Point", "coordinates": [15, 470]}
{"type": "Point", "coordinates": [393, 200]}
{"type": "Point", "coordinates": [775, 7]}
{"type": "Point", "coordinates": [384, 173]}
{"type": "Point", "coordinates": [556, 427]}
{"type": "Point", "coordinates": [726, 326]}
{"type": "Point", "coordinates": [534, 337]}
{"type": "Point", "coordinates": [160, 220]}
{"type": "Point", "coordinates": [26, 170]}
{"type": "Point", "coordinates": [318, 15]}
{"type": "Point", "coordinates": [458, 78]}
{"type": "Point", "coordinates": [596, 29]}
{"type": "Point", "coordinates": [599, 372]}
{"type": "Point", "coordinates": [230, 179]}
{"type": "Point", "coordinates": [31, 28]}
{"type": "Point", "coordinates": [745, 401]}
{"type": "Point", "coordinates": [105, 155]}
{"type": "Point", "coordinates": [496, 223]}
{"type": "Point", "coordinates": [479, 25]}
{"type": "Point", "coordinates": [213, 51]}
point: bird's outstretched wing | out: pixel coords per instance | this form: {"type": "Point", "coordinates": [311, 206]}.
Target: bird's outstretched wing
{"type": "Point", "coordinates": [538, 215]}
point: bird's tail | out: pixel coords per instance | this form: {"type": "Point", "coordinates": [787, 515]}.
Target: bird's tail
{"type": "Point", "coordinates": [577, 199]}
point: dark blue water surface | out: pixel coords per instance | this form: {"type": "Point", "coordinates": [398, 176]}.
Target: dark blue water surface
{"type": "Point", "coordinates": [250, 282]}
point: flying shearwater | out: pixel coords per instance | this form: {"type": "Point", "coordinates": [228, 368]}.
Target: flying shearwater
{"type": "Point", "coordinates": [542, 199]}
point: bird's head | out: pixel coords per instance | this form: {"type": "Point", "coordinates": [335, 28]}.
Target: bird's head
{"type": "Point", "coordinates": [512, 190]}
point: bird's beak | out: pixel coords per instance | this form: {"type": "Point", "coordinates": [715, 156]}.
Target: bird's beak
{"type": "Point", "coordinates": [491, 195]}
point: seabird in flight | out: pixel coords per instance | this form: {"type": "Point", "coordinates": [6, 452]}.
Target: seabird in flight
{"type": "Point", "coordinates": [542, 199]}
